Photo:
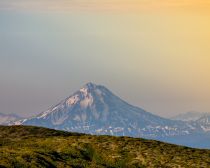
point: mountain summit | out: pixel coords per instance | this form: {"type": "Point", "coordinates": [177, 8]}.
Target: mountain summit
{"type": "Point", "coordinates": [94, 109]}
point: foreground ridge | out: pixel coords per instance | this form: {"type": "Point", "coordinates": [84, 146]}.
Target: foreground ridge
{"type": "Point", "coordinates": [28, 146]}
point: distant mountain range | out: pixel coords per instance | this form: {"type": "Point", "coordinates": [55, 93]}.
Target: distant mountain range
{"type": "Point", "coordinates": [190, 116]}
{"type": "Point", "coordinates": [96, 110]}
{"type": "Point", "coordinates": [5, 119]}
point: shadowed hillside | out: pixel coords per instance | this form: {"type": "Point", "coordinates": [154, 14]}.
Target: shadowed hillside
{"type": "Point", "coordinates": [27, 146]}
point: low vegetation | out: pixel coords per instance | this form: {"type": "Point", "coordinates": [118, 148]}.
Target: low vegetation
{"type": "Point", "coordinates": [26, 146]}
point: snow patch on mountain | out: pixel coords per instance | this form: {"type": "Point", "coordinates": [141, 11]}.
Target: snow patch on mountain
{"type": "Point", "coordinates": [72, 100]}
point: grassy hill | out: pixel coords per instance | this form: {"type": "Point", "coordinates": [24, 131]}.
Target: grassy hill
{"type": "Point", "coordinates": [26, 146]}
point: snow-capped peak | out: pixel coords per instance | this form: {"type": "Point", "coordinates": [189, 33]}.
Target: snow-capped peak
{"type": "Point", "coordinates": [83, 96]}
{"type": "Point", "coordinates": [83, 99]}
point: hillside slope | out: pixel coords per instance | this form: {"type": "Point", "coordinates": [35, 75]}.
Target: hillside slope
{"type": "Point", "coordinates": [27, 146]}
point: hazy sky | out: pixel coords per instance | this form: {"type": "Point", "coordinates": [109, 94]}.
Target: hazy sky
{"type": "Point", "coordinates": [153, 53]}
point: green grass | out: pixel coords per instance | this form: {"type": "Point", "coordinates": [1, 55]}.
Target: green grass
{"type": "Point", "coordinates": [26, 146]}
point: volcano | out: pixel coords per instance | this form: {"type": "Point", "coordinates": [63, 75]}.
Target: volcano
{"type": "Point", "coordinates": [94, 109]}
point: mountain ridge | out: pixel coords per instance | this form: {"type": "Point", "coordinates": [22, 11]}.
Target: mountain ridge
{"type": "Point", "coordinates": [190, 116]}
